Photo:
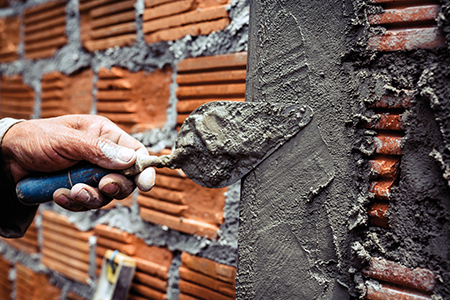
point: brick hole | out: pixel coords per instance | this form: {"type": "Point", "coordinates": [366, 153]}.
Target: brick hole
{"type": "Point", "coordinates": [44, 29]}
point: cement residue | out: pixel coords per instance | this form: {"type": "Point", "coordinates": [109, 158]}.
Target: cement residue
{"type": "Point", "coordinates": [419, 210]}
{"type": "Point", "coordinates": [221, 141]}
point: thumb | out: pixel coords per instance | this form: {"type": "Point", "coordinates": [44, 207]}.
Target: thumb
{"type": "Point", "coordinates": [109, 155]}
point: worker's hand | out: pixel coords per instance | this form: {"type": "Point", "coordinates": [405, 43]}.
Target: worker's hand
{"type": "Point", "coordinates": [56, 144]}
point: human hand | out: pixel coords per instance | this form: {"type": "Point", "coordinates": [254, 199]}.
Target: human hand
{"type": "Point", "coordinates": [55, 144]}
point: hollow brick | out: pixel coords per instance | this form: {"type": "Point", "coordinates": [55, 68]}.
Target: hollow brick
{"type": "Point", "coordinates": [387, 167]}
{"type": "Point", "coordinates": [412, 14]}
{"type": "Point", "coordinates": [168, 21]}
{"type": "Point", "coordinates": [388, 271]}
{"type": "Point", "coordinates": [31, 285]}
{"type": "Point", "coordinates": [135, 101]}
{"type": "Point", "coordinates": [9, 38]}
{"type": "Point", "coordinates": [385, 291]}
{"type": "Point", "coordinates": [377, 214]}
{"type": "Point", "coordinates": [17, 98]}
{"type": "Point", "coordinates": [106, 24]}
{"type": "Point", "coordinates": [208, 267]}
{"type": "Point", "coordinates": [44, 29]}
{"type": "Point", "coordinates": [65, 249]}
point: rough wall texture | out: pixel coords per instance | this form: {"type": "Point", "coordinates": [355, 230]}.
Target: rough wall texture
{"type": "Point", "coordinates": [61, 57]}
{"type": "Point", "coordinates": [354, 206]}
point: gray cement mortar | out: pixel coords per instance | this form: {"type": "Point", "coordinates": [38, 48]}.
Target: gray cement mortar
{"type": "Point", "coordinates": [138, 57]}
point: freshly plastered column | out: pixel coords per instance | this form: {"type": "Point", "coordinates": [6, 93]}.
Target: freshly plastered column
{"type": "Point", "coordinates": [293, 231]}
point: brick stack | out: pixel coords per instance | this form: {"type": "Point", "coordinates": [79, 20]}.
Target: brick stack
{"type": "Point", "coordinates": [45, 29]}
{"type": "Point", "coordinates": [152, 263]}
{"type": "Point", "coordinates": [178, 203]}
{"type": "Point", "coordinates": [134, 101]}
{"type": "Point", "coordinates": [212, 78]}
{"type": "Point", "coordinates": [9, 38]}
{"type": "Point", "coordinates": [166, 20]}
{"type": "Point", "coordinates": [202, 278]}
{"type": "Point", "coordinates": [5, 282]}
{"type": "Point", "coordinates": [28, 243]}
{"type": "Point", "coordinates": [63, 94]}
{"type": "Point", "coordinates": [17, 98]}
{"type": "Point", "coordinates": [65, 248]}
{"type": "Point", "coordinates": [108, 23]}
{"type": "Point", "coordinates": [33, 286]}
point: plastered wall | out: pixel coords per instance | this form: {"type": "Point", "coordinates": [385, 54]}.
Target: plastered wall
{"type": "Point", "coordinates": [124, 60]}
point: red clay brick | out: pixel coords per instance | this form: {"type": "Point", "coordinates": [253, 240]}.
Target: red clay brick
{"type": "Point", "coordinates": [208, 267]}
{"type": "Point", "coordinates": [387, 144]}
{"type": "Point", "coordinates": [17, 99]}
{"type": "Point", "coordinates": [407, 39]}
{"type": "Point", "coordinates": [63, 94]}
{"type": "Point", "coordinates": [167, 9]}
{"type": "Point", "coordinates": [9, 38]}
{"type": "Point", "coordinates": [5, 282]}
{"type": "Point", "coordinates": [405, 15]}
{"type": "Point", "coordinates": [41, 40]}
{"type": "Point", "coordinates": [188, 106]}
{"type": "Point", "coordinates": [387, 167]}
{"type": "Point", "coordinates": [74, 296]}
{"type": "Point", "coordinates": [200, 292]}
{"type": "Point", "coordinates": [385, 291]}
{"type": "Point", "coordinates": [171, 34]}
{"type": "Point", "coordinates": [377, 214]}
{"type": "Point", "coordinates": [381, 189]}
{"type": "Point", "coordinates": [211, 77]}
{"type": "Point", "coordinates": [28, 243]}
{"type": "Point", "coordinates": [393, 101]}
{"type": "Point", "coordinates": [388, 271]}
{"type": "Point", "coordinates": [31, 286]}
{"type": "Point", "coordinates": [136, 101]}
{"type": "Point", "coordinates": [196, 16]}
{"type": "Point", "coordinates": [106, 24]}
{"type": "Point", "coordinates": [152, 263]}
{"type": "Point", "coordinates": [211, 283]}
{"type": "Point", "coordinates": [179, 223]}
{"type": "Point", "coordinates": [387, 122]}
{"type": "Point", "coordinates": [235, 60]}
{"type": "Point", "coordinates": [65, 248]}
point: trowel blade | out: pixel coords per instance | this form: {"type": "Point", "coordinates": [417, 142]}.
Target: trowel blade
{"type": "Point", "coordinates": [222, 141]}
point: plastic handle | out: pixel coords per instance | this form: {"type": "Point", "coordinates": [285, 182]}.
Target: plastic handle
{"type": "Point", "coordinates": [40, 189]}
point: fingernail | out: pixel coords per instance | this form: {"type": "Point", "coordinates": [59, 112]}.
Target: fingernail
{"type": "Point", "coordinates": [62, 200]}
{"type": "Point", "coordinates": [125, 154]}
{"type": "Point", "coordinates": [83, 196]}
{"type": "Point", "coordinates": [111, 189]}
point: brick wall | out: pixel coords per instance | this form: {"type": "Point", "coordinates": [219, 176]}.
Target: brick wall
{"type": "Point", "coordinates": [131, 62]}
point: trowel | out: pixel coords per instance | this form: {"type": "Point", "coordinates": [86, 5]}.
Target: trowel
{"type": "Point", "coordinates": [218, 144]}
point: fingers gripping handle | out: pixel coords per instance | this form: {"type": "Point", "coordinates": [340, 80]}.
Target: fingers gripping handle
{"type": "Point", "coordinates": [40, 189]}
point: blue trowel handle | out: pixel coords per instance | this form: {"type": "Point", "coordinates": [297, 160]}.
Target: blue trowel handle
{"type": "Point", "coordinates": [39, 189]}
